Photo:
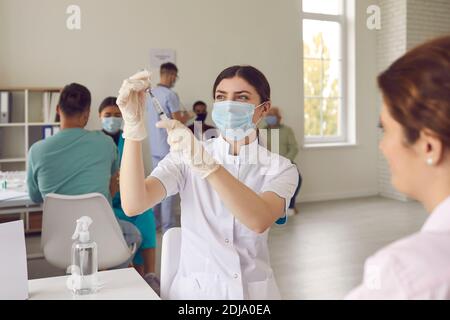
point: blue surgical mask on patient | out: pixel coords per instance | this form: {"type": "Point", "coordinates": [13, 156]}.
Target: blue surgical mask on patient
{"type": "Point", "coordinates": [112, 125]}
{"type": "Point", "coordinates": [234, 119]}
{"type": "Point", "coordinates": [271, 120]}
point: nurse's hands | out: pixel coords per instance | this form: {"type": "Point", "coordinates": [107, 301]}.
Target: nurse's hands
{"type": "Point", "coordinates": [131, 102]}
{"type": "Point", "coordinates": [181, 140]}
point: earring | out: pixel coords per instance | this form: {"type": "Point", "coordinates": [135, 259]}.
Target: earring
{"type": "Point", "coordinates": [430, 161]}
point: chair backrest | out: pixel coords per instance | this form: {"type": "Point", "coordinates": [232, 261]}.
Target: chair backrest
{"type": "Point", "coordinates": [59, 221]}
{"type": "Point", "coordinates": [170, 259]}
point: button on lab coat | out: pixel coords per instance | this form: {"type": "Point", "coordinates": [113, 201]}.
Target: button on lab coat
{"type": "Point", "coordinates": [220, 257]}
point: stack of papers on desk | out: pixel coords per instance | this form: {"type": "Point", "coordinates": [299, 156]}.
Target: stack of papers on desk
{"type": "Point", "coordinates": [6, 195]}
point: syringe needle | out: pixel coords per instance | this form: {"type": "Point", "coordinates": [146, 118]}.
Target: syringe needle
{"type": "Point", "coordinates": [159, 110]}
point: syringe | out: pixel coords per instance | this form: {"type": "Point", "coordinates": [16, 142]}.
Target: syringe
{"type": "Point", "coordinates": [157, 106]}
{"type": "Point", "coordinates": [159, 110]}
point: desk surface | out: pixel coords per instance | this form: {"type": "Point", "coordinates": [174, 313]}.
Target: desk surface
{"type": "Point", "coordinates": [121, 284]}
{"type": "Point", "coordinates": [14, 198]}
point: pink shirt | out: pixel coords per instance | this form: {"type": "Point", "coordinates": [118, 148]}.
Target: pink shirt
{"type": "Point", "coordinates": [416, 267]}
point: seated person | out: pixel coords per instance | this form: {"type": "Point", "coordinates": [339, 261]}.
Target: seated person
{"type": "Point", "coordinates": [207, 131]}
{"type": "Point", "coordinates": [144, 261]}
{"type": "Point", "coordinates": [75, 161]}
{"type": "Point", "coordinates": [287, 146]}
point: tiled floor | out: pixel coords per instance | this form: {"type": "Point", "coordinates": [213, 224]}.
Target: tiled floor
{"type": "Point", "coordinates": [320, 253]}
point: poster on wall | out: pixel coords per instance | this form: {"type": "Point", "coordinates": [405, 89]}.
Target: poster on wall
{"type": "Point", "coordinates": [160, 56]}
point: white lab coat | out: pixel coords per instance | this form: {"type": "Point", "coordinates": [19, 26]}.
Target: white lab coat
{"type": "Point", "coordinates": [220, 257]}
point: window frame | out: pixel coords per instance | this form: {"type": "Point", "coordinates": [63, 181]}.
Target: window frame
{"type": "Point", "coordinates": [341, 18]}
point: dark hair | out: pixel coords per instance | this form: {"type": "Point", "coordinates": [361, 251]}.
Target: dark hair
{"type": "Point", "coordinates": [109, 101]}
{"type": "Point", "coordinates": [197, 103]}
{"type": "Point", "coordinates": [168, 66]}
{"type": "Point", "coordinates": [74, 100]}
{"type": "Point", "coordinates": [250, 74]}
{"type": "Point", "coordinates": [416, 90]}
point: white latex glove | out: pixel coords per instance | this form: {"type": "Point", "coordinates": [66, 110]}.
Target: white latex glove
{"type": "Point", "coordinates": [131, 102]}
{"type": "Point", "coordinates": [181, 140]}
{"type": "Point", "coordinates": [191, 114]}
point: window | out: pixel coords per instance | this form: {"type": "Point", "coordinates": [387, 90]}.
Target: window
{"type": "Point", "coordinates": [324, 27]}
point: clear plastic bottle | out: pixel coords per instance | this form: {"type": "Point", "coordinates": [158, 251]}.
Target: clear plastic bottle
{"type": "Point", "coordinates": [3, 180]}
{"type": "Point", "coordinates": [84, 259]}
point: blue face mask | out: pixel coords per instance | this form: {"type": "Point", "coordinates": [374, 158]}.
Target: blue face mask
{"type": "Point", "coordinates": [234, 119]}
{"type": "Point", "coordinates": [112, 125]}
{"type": "Point", "coordinates": [201, 117]}
{"type": "Point", "coordinates": [271, 120]}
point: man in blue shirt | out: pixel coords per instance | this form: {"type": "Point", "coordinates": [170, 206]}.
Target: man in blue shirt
{"type": "Point", "coordinates": [75, 161]}
{"type": "Point", "coordinates": [158, 137]}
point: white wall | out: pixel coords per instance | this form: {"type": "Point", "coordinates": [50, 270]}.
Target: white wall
{"type": "Point", "coordinates": [208, 35]}
{"type": "Point", "coordinates": [391, 44]}
{"type": "Point", "coordinates": [116, 37]}
{"type": "Point", "coordinates": [426, 20]}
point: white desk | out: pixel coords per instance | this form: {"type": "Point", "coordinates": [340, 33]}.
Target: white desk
{"type": "Point", "coordinates": [122, 284]}
{"type": "Point", "coordinates": [15, 198]}
{"type": "Point", "coordinates": [18, 202]}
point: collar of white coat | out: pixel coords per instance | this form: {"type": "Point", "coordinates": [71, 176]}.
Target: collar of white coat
{"type": "Point", "coordinates": [247, 153]}
{"type": "Point", "coordinates": [439, 220]}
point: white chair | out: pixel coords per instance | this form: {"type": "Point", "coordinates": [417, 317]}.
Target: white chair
{"type": "Point", "coordinates": [59, 222]}
{"type": "Point", "coordinates": [170, 259]}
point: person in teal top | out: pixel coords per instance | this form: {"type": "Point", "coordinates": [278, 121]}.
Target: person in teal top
{"type": "Point", "coordinates": [75, 161]}
{"type": "Point", "coordinates": [144, 260]}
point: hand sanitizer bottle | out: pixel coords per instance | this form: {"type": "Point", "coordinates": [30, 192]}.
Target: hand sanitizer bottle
{"type": "Point", "coordinates": [84, 259]}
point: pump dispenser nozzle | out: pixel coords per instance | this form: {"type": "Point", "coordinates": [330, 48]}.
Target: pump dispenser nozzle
{"type": "Point", "coordinates": [82, 229]}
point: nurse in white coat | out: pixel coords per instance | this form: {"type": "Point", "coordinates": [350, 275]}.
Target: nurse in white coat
{"type": "Point", "coordinates": [232, 189]}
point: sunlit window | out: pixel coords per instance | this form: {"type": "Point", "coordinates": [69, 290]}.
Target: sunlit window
{"type": "Point", "coordinates": [323, 6]}
{"type": "Point", "coordinates": [323, 71]}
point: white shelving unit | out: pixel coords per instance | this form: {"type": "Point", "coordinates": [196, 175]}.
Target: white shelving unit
{"type": "Point", "coordinates": [25, 127]}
